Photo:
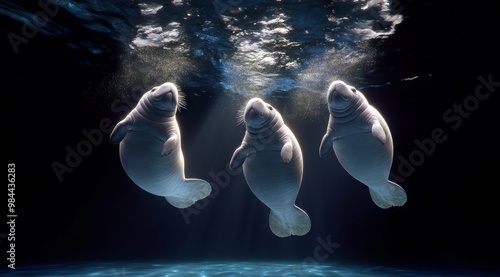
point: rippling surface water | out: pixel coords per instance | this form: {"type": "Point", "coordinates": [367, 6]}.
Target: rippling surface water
{"type": "Point", "coordinates": [207, 269]}
{"type": "Point", "coordinates": [230, 46]}
{"type": "Point", "coordinates": [268, 46]}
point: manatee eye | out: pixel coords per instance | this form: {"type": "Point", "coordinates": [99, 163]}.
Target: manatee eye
{"type": "Point", "coordinates": [353, 90]}
{"type": "Point", "coordinates": [270, 108]}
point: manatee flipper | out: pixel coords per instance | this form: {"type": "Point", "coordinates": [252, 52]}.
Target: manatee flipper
{"type": "Point", "coordinates": [287, 152]}
{"type": "Point", "coordinates": [239, 156]}
{"type": "Point", "coordinates": [121, 130]}
{"type": "Point", "coordinates": [326, 145]}
{"type": "Point", "coordinates": [378, 132]}
{"type": "Point", "coordinates": [294, 222]}
{"type": "Point", "coordinates": [190, 191]}
{"type": "Point", "coordinates": [169, 145]}
{"type": "Point", "coordinates": [389, 195]}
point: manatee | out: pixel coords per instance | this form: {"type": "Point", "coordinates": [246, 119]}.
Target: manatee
{"type": "Point", "coordinates": [362, 142]}
{"type": "Point", "coordinates": [272, 163]}
{"type": "Point", "coordinates": [150, 148]}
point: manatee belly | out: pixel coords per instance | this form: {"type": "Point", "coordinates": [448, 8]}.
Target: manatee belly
{"type": "Point", "coordinates": [273, 182]}
{"type": "Point", "coordinates": [140, 155]}
{"type": "Point", "coordinates": [364, 157]}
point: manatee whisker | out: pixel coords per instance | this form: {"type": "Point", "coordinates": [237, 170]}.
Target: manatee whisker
{"type": "Point", "coordinates": [181, 101]}
{"type": "Point", "coordinates": [240, 116]}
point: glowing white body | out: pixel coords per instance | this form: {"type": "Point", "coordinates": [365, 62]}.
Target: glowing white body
{"type": "Point", "coordinates": [362, 142]}
{"type": "Point", "coordinates": [140, 156]}
{"type": "Point", "coordinates": [151, 152]}
{"type": "Point", "coordinates": [272, 164]}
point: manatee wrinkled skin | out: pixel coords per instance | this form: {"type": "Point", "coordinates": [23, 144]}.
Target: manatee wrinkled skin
{"type": "Point", "coordinates": [362, 142]}
{"type": "Point", "coordinates": [150, 148]}
{"type": "Point", "coordinates": [272, 163]}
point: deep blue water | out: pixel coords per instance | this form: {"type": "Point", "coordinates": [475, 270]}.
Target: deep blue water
{"type": "Point", "coordinates": [74, 67]}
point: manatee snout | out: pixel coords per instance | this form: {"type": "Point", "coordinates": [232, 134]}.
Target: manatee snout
{"type": "Point", "coordinates": [164, 99]}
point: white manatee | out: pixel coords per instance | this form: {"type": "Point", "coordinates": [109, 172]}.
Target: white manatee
{"type": "Point", "coordinates": [150, 148]}
{"type": "Point", "coordinates": [362, 142]}
{"type": "Point", "coordinates": [272, 165]}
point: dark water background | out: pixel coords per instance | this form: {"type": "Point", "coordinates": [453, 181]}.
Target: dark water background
{"type": "Point", "coordinates": [87, 65]}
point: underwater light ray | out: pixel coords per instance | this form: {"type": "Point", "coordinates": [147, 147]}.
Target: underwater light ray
{"type": "Point", "coordinates": [219, 126]}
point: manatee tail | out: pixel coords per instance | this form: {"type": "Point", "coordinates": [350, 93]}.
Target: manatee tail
{"type": "Point", "coordinates": [190, 191]}
{"type": "Point", "coordinates": [293, 222]}
{"type": "Point", "coordinates": [389, 195]}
